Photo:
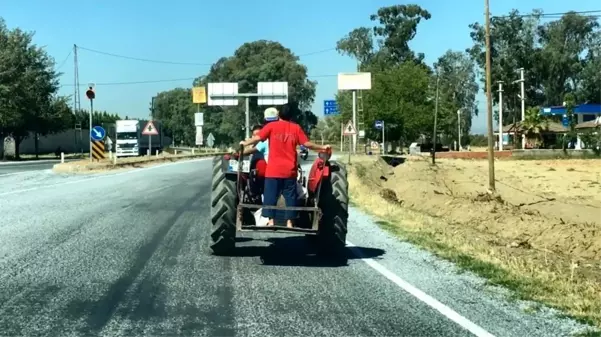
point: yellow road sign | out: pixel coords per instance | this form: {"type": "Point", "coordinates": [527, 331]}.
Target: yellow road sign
{"type": "Point", "coordinates": [98, 149]}
{"type": "Point", "coordinates": [199, 95]}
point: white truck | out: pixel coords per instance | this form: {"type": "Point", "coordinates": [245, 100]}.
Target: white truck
{"type": "Point", "coordinates": [127, 134]}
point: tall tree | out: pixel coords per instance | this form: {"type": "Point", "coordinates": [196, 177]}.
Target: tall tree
{"type": "Point", "coordinates": [175, 110]}
{"type": "Point", "coordinates": [359, 44]}
{"type": "Point", "coordinates": [565, 42]}
{"type": "Point", "coordinates": [559, 57]}
{"type": "Point", "coordinates": [28, 83]}
{"type": "Point", "coordinates": [398, 26]}
{"type": "Point", "coordinates": [513, 46]}
{"type": "Point", "coordinates": [458, 90]}
{"type": "Point", "coordinates": [400, 80]}
{"type": "Point", "coordinates": [260, 61]}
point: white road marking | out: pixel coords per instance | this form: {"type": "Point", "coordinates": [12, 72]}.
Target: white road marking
{"type": "Point", "coordinates": [30, 162]}
{"type": "Point", "coordinates": [104, 176]}
{"type": "Point", "coordinates": [420, 295]}
{"type": "Point", "coordinates": [15, 173]}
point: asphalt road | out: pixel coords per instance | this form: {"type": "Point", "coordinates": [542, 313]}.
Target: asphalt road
{"type": "Point", "coordinates": [8, 168]}
{"type": "Point", "coordinates": [126, 254]}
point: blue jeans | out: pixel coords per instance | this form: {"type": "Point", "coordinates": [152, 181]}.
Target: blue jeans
{"type": "Point", "coordinates": [274, 187]}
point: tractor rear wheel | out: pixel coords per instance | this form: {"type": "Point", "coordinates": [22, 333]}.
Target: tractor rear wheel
{"type": "Point", "coordinates": [333, 202]}
{"type": "Point", "coordinates": [223, 210]}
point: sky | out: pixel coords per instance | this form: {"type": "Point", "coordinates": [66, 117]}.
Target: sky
{"type": "Point", "coordinates": [202, 31]}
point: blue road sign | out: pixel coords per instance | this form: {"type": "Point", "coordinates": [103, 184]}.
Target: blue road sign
{"type": "Point", "coordinates": [379, 125]}
{"type": "Point", "coordinates": [565, 121]}
{"type": "Point", "coordinates": [97, 133]}
{"type": "Point", "coordinates": [330, 107]}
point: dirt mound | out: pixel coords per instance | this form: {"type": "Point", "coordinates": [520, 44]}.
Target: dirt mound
{"type": "Point", "coordinates": [543, 205]}
{"type": "Point", "coordinates": [539, 235]}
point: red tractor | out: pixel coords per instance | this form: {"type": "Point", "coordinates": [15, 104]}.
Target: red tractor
{"type": "Point", "coordinates": [236, 194]}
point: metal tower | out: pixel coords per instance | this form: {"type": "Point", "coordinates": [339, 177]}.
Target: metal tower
{"type": "Point", "coordinates": [360, 114]}
{"type": "Point", "coordinates": [76, 97]}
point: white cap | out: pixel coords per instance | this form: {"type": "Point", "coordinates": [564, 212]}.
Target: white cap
{"type": "Point", "coordinates": [271, 114]}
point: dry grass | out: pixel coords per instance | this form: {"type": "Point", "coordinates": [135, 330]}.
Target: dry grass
{"type": "Point", "coordinates": [540, 236]}
{"type": "Point", "coordinates": [84, 166]}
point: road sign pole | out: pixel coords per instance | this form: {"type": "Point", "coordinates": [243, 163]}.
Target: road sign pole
{"type": "Point", "coordinates": [198, 111]}
{"type": "Point", "coordinates": [354, 121]}
{"type": "Point", "coordinates": [247, 116]}
{"type": "Point", "coordinates": [341, 137]}
{"type": "Point", "coordinates": [90, 136]}
{"type": "Point", "coordinates": [383, 139]}
{"type": "Point", "coordinates": [350, 141]}
{"type": "Point", "coordinates": [91, 95]}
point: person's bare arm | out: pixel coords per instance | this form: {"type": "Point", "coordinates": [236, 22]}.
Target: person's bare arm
{"type": "Point", "coordinates": [304, 140]}
{"type": "Point", "coordinates": [251, 141]}
{"type": "Point", "coordinates": [249, 150]}
{"type": "Point", "coordinates": [316, 147]}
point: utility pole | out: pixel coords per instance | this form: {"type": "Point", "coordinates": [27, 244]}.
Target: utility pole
{"type": "Point", "coordinates": [360, 116]}
{"type": "Point", "coordinates": [76, 97]}
{"type": "Point", "coordinates": [459, 129]}
{"type": "Point", "coordinates": [354, 137]}
{"type": "Point", "coordinates": [435, 119]}
{"type": "Point", "coordinates": [523, 99]}
{"type": "Point", "coordinates": [491, 151]}
{"type": "Point", "coordinates": [500, 115]}
{"type": "Point", "coordinates": [91, 94]}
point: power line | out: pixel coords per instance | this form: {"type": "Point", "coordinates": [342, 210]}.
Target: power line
{"type": "Point", "coordinates": [179, 63]}
{"type": "Point", "coordinates": [591, 13]}
{"type": "Point", "coordinates": [169, 80]}
{"type": "Point", "coordinates": [64, 61]}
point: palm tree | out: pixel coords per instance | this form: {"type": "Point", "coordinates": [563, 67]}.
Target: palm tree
{"type": "Point", "coordinates": [534, 125]}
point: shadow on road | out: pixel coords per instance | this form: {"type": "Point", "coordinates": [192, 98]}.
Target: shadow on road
{"type": "Point", "coordinates": [298, 251]}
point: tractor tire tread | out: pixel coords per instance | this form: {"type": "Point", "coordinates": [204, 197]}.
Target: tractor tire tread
{"type": "Point", "coordinates": [334, 205]}
{"type": "Point", "coordinates": [223, 211]}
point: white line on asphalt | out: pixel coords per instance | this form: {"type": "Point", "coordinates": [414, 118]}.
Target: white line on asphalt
{"type": "Point", "coordinates": [30, 162]}
{"type": "Point", "coordinates": [104, 176]}
{"type": "Point", "coordinates": [24, 172]}
{"type": "Point", "coordinates": [420, 295]}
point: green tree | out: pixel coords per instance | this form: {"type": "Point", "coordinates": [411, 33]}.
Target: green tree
{"type": "Point", "coordinates": [175, 110]}
{"type": "Point", "coordinates": [28, 84]}
{"type": "Point", "coordinates": [559, 57]}
{"type": "Point", "coordinates": [359, 44]}
{"type": "Point", "coordinates": [590, 84]}
{"type": "Point", "coordinates": [82, 117]}
{"type": "Point", "coordinates": [398, 26]}
{"type": "Point", "coordinates": [258, 61]}
{"type": "Point", "coordinates": [458, 90]}
{"type": "Point", "coordinates": [513, 46]}
{"type": "Point", "coordinates": [534, 125]}
{"type": "Point", "coordinates": [564, 42]}
{"type": "Point", "coordinates": [400, 81]}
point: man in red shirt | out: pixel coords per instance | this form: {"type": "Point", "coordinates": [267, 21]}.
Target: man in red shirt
{"type": "Point", "coordinates": [282, 168]}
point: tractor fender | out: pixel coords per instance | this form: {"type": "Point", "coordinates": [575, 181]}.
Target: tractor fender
{"type": "Point", "coordinates": [319, 170]}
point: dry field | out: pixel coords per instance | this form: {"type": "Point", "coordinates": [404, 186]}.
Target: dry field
{"type": "Point", "coordinates": [539, 236]}
{"type": "Point", "coordinates": [85, 166]}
